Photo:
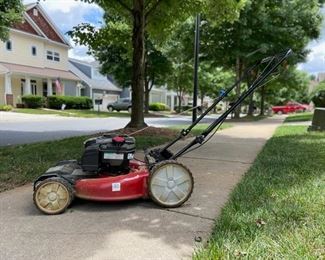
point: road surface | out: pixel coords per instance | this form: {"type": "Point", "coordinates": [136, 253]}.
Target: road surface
{"type": "Point", "coordinates": [21, 128]}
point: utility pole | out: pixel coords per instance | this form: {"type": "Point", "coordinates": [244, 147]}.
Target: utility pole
{"type": "Point", "coordinates": [196, 66]}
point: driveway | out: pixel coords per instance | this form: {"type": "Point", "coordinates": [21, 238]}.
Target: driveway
{"type": "Point", "coordinates": [18, 128]}
{"type": "Point", "coordinates": [135, 229]}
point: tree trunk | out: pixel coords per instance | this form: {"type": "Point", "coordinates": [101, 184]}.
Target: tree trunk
{"type": "Point", "coordinates": [137, 115]}
{"type": "Point", "coordinates": [237, 90]}
{"type": "Point", "coordinates": [262, 101]}
{"type": "Point", "coordinates": [146, 97]}
{"type": "Point", "coordinates": [251, 79]}
{"type": "Point", "coordinates": [250, 111]}
{"type": "Point", "coordinates": [180, 103]}
{"type": "Point", "coordinates": [202, 98]}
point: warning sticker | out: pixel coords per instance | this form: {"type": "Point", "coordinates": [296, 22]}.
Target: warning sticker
{"type": "Point", "coordinates": [116, 186]}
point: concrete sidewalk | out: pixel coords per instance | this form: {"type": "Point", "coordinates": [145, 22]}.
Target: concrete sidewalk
{"type": "Point", "coordinates": [135, 229]}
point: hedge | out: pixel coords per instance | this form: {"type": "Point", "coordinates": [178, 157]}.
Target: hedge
{"type": "Point", "coordinates": [32, 101]}
{"type": "Point", "coordinates": [71, 102]}
{"type": "Point", "coordinates": [158, 107]}
{"type": "Point", "coordinates": [5, 108]}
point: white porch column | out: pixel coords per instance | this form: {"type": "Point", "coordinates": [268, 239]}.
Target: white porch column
{"type": "Point", "coordinates": [27, 87]}
{"type": "Point", "coordinates": [49, 87]}
{"type": "Point", "coordinates": [172, 97]}
{"type": "Point", "coordinates": [8, 89]}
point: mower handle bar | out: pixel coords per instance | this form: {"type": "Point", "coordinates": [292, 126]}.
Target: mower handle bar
{"type": "Point", "coordinates": [259, 81]}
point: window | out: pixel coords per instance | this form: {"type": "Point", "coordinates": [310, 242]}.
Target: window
{"type": "Point", "coordinates": [50, 55]}
{"type": "Point", "coordinates": [56, 56]}
{"type": "Point", "coordinates": [44, 89]}
{"type": "Point", "coordinates": [34, 51]}
{"type": "Point", "coordinates": [53, 89]}
{"type": "Point", "coordinates": [22, 86]}
{"type": "Point", "coordinates": [34, 87]}
{"type": "Point", "coordinates": [8, 45]}
{"type": "Point", "coordinates": [35, 12]}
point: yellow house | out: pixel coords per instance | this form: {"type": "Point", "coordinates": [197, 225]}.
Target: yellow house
{"type": "Point", "coordinates": [34, 60]}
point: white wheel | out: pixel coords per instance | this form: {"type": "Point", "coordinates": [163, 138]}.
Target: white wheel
{"type": "Point", "coordinates": [110, 109]}
{"type": "Point", "coordinates": [53, 196]}
{"type": "Point", "coordinates": [170, 184]}
{"type": "Point", "coordinates": [279, 112]}
{"type": "Point", "coordinates": [130, 109]}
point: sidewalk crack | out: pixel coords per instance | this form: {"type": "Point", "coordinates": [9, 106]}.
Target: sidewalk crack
{"type": "Point", "coordinates": [212, 159]}
{"type": "Point", "coordinates": [188, 214]}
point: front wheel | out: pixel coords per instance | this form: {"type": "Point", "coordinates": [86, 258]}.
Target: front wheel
{"type": "Point", "coordinates": [170, 184]}
{"type": "Point", "coordinates": [279, 112]}
{"type": "Point", "coordinates": [53, 195]}
{"type": "Point", "coordinates": [110, 109]}
{"type": "Point", "coordinates": [129, 109]}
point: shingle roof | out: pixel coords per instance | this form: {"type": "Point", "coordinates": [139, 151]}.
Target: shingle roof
{"type": "Point", "coordinates": [39, 72]}
{"type": "Point", "coordinates": [102, 84]}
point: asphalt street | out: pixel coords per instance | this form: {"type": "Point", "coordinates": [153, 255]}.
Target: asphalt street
{"type": "Point", "coordinates": [18, 128]}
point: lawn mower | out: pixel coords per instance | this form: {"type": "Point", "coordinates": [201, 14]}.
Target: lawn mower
{"type": "Point", "coordinates": [108, 171]}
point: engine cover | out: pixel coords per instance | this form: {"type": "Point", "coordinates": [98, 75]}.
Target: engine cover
{"type": "Point", "coordinates": [111, 152]}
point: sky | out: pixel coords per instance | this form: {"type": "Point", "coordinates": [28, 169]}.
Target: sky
{"type": "Point", "coordinates": [69, 13]}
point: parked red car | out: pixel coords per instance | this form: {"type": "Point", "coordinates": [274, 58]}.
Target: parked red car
{"type": "Point", "coordinates": [290, 107]}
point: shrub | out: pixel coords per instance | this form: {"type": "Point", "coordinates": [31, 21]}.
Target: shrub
{"type": "Point", "coordinates": [318, 95]}
{"type": "Point", "coordinates": [319, 99]}
{"type": "Point", "coordinates": [71, 102]}
{"type": "Point", "coordinates": [158, 107]}
{"type": "Point", "coordinates": [5, 107]}
{"type": "Point", "coordinates": [32, 101]}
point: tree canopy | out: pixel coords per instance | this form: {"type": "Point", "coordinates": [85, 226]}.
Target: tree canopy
{"type": "Point", "coordinates": [154, 19]}
{"type": "Point", "coordinates": [265, 27]}
{"type": "Point", "coordinates": [11, 12]}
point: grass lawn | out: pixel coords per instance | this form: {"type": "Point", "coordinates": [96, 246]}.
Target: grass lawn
{"type": "Point", "coordinates": [199, 128]}
{"type": "Point", "coordinates": [71, 113]}
{"type": "Point", "coordinates": [278, 209]}
{"type": "Point", "coordinates": [22, 164]}
{"type": "Point", "coordinates": [308, 116]}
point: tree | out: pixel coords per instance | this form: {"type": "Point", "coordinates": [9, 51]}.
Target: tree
{"type": "Point", "coordinates": [156, 70]}
{"type": "Point", "coordinates": [213, 80]}
{"type": "Point", "coordinates": [11, 12]}
{"type": "Point", "coordinates": [157, 18]}
{"type": "Point", "coordinates": [265, 27]}
{"type": "Point", "coordinates": [114, 52]}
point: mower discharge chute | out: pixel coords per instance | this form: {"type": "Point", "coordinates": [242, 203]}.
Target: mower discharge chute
{"type": "Point", "coordinates": [108, 171]}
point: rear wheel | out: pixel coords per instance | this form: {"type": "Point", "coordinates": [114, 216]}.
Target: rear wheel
{"type": "Point", "coordinates": [129, 109]}
{"type": "Point", "coordinates": [170, 184]}
{"type": "Point", "coordinates": [279, 112]}
{"type": "Point", "coordinates": [53, 195]}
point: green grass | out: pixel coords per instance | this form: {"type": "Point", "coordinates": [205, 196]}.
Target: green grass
{"type": "Point", "coordinates": [278, 209]}
{"type": "Point", "coordinates": [71, 113]}
{"type": "Point", "coordinates": [199, 128]}
{"type": "Point", "coordinates": [299, 117]}
{"type": "Point", "coordinates": [22, 164]}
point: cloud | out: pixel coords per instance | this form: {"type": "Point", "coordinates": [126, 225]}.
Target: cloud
{"type": "Point", "coordinates": [79, 52]}
{"type": "Point", "coordinates": [315, 62]}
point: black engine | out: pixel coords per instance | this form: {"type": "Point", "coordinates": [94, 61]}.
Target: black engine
{"type": "Point", "coordinates": [109, 153]}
